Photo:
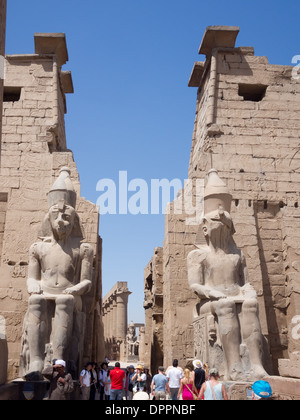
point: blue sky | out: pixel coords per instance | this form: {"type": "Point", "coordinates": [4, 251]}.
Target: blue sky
{"type": "Point", "coordinates": [132, 110]}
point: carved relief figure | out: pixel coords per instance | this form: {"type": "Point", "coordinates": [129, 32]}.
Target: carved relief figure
{"type": "Point", "coordinates": [59, 274]}
{"type": "Point", "coordinates": [217, 273]}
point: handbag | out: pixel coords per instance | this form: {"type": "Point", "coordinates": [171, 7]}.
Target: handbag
{"type": "Point", "coordinates": [195, 397]}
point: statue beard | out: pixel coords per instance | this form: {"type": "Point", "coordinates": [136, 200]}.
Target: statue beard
{"type": "Point", "coordinates": [220, 238]}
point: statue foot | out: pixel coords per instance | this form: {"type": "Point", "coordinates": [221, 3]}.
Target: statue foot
{"type": "Point", "coordinates": [236, 373]}
{"type": "Point", "coordinates": [35, 371]}
{"type": "Point", "coordinates": [258, 372]}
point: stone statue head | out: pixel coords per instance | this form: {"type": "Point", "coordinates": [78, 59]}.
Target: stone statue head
{"type": "Point", "coordinates": [62, 221]}
{"type": "Point", "coordinates": [217, 225]}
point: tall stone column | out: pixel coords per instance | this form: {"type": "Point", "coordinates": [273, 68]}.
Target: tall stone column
{"type": "Point", "coordinates": [114, 317]}
{"type": "Point", "coordinates": [121, 325]}
{"type": "Point", "coordinates": [2, 53]}
{"type": "Point", "coordinates": [109, 322]}
{"type": "Point", "coordinates": [104, 319]}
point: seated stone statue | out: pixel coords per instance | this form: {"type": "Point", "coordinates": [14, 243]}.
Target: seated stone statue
{"type": "Point", "coordinates": [59, 273]}
{"type": "Point", "coordinates": [217, 273]}
{"type": "Point", "coordinates": [132, 341]}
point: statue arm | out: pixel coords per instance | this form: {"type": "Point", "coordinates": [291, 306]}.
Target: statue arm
{"type": "Point", "coordinates": [195, 273]}
{"type": "Point", "coordinates": [195, 265]}
{"type": "Point", "coordinates": [34, 271]}
{"type": "Point", "coordinates": [85, 284]}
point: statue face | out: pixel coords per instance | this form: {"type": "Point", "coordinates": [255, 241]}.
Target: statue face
{"type": "Point", "coordinates": [62, 218]}
{"type": "Point", "coordinates": [216, 224]}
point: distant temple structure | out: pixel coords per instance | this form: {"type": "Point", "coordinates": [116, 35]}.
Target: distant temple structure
{"type": "Point", "coordinates": [121, 341]}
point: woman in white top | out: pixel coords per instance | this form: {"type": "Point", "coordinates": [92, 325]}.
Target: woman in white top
{"type": "Point", "coordinates": [213, 389]}
{"type": "Point", "coordinates": [107, 387]}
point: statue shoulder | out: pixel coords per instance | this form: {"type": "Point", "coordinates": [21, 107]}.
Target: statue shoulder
{"type": "Point", "coordinates": [35, 249]}
{"type": "Point", "coordinates": [86, 250]}
{"type": "Point", "coordinates": [198, 255]}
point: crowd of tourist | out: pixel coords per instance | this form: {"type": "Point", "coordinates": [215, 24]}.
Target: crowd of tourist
{"type": "Point", "coordinates": [195, 382]}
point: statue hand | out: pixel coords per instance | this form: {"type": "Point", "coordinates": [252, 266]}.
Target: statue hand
{"type": "Point", "coordinates": [71, 291]}
{"type": "Point", "coordinates": [33, 287]}
{"type": "Point", "coordinates": [215, 294]}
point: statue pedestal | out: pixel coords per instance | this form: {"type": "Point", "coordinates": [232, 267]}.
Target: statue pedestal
{"type": "Point", "coordinates": [35, 390]}
{"type": "Point", "coordinates": [208, 351]}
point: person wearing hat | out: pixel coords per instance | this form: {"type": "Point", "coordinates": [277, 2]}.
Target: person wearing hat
{"type": "Point", "coordinates": [140, 378]}
{"type": "Point", "coordinates": [161, 383]}
{"type": "Point", "coordinates": [199, 373]}
{"type": "Point", "coordinates": [261, 390]}
{"type": "Point", "coordinates": [61, 383]}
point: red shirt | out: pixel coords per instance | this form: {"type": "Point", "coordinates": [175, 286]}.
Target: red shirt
{"type": "Point", "coordinates": [116, 376]}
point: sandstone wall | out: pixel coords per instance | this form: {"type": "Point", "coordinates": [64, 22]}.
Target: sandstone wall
{"type": "Point", "coordinates": [33, 150]}
{"type": "Point", "coordinates": [154, 312]}
{"type": "Point", "coordinates": [247, 127]}
{"type": "Point", "coordinates": [2, 53]}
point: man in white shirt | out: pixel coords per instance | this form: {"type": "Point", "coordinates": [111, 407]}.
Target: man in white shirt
{"type": "Point", "coordinates": [174, 375]}
{"type": "Point", "coordinates": [85, 382]}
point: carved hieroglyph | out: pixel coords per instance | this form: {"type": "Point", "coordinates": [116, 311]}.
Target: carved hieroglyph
{"type": "Point", "coordinates": [60, 273]}
{"type": "Point", "coordinates": [228, 307]}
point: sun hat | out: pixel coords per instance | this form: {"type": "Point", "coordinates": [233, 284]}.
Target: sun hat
{"type": "Point", "coordinates": [60, 362]}
{"type": "Point", "coordinates": [140, 367]}
{"type": "Point", "coordinates": [262, 389]}
{"type": "Point", "coordinates": [197, 364]}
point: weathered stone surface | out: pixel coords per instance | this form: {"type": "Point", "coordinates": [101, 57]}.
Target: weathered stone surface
{"type": "Point", "coordinates": [115, 308]}
{"type": "Point", "coordinates": [33, 151]}
{"type": "Point", "coordinates": [247, 127]}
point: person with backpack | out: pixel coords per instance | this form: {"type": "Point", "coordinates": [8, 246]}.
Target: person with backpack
{"type": "Point", "coordinates": [85, 381]}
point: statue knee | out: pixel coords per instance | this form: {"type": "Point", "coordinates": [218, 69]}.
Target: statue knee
{"type": "Point", "coordinates": [224, 307]}
{"type": "Point", "coordinates": [36, 300]}
{"type": "Point", "coordinates": [65, 302]}
{"type": "Point", "coordinates": [250, 305]}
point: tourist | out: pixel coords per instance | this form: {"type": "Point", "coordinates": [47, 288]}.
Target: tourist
{"type": "Point", "coordinates": [117, 376]}
{"type": "Point", "coordinates": [213, 389]}
{"type": "Point", "coordinates": [126, 385]}
{"type": "Point", "coordinates": [61, 383]}
{"type": "Point", "coordinates": [85, 381]}
{"type": "Point", "coordinates": [174, 375]}
{"type": "Point", "coordinates": [199, 375]}
{"type": "Point", "coordinates": [102, 379]}
{"type": "Point", "coordinates": [187, 387]}
{"type": "Point", "coordinates": [94, 381]}
{"type": "Point", "coordinates": [140, 379]}
{"type": "Point", "coordinates": [131, 383]}
{"type": "Point", "coordinates": [107, 386]}
{"type": "Point", "coordinates": [161, 383]}
{"type": "Point", "coordinates": [261, 390]}
{"type": "Point", "coordinates": [148, 380]}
